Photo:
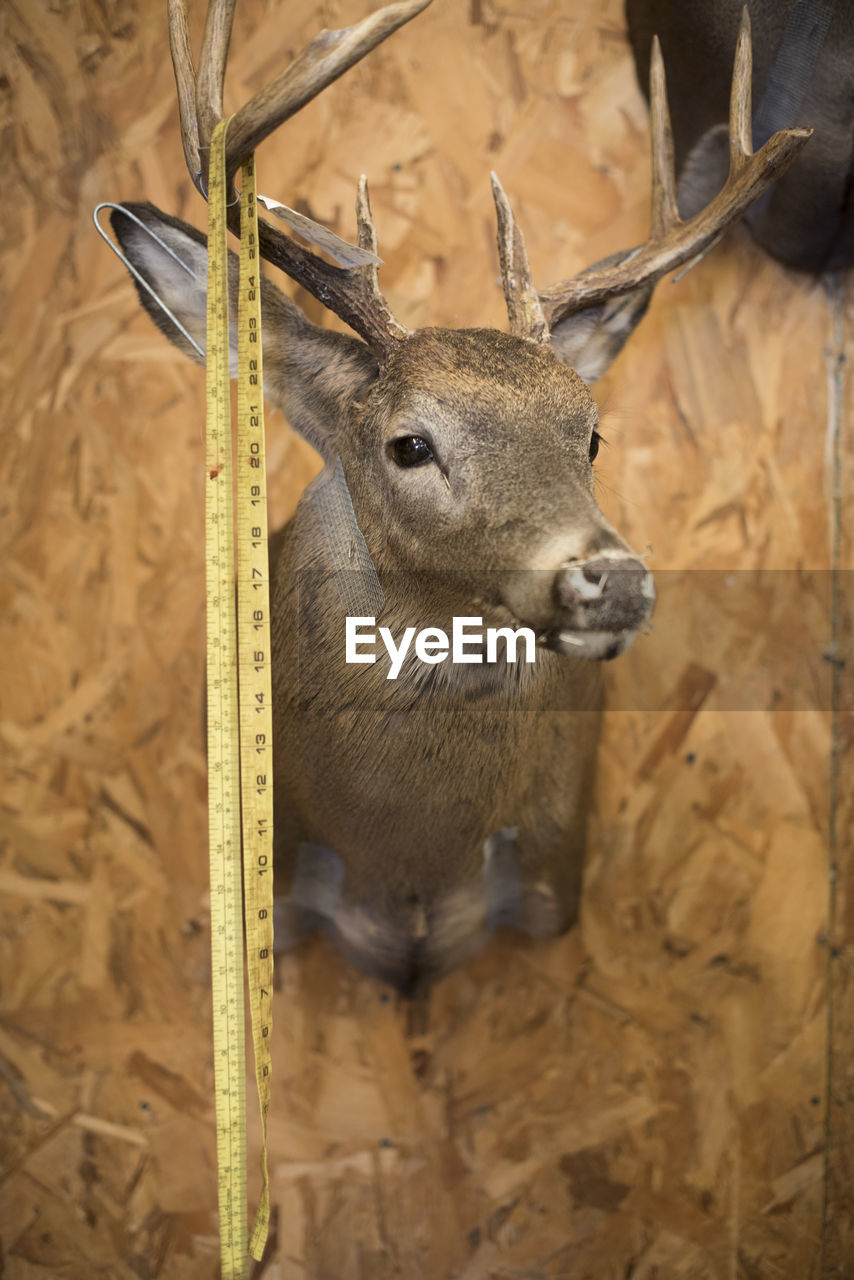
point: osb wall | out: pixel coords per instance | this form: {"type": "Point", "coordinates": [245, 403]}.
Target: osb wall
{"type": "Point", "coordinates": [647, 1097]}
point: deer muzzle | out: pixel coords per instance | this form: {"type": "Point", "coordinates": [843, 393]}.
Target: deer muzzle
{"type": "Point", "coordinates": [600, 605]}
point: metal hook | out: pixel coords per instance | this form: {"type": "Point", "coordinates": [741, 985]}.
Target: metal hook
{"type": "Point", "coordinates": [109, 204]}
{"type": "Point", "coordinates": [201, 186]}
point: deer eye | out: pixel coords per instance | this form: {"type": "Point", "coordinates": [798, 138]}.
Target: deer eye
{"type": "Point", "coordinates": [410, 451]}
{"type": "Point", "coordinates": [595, 441]}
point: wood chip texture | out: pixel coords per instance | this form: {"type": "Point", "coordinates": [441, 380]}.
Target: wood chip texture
{"type": "Point", "coordinates": [667, 1091]}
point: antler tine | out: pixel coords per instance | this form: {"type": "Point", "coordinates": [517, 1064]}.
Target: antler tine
{"type": "Point", "coordinates": [740, 108]}
{"type": "Point", "coordinates": [523, 304]}
{"type": "Point", "coordinates": [200, 96]}
{"type": "Point", "coordinates": [323, 60]}
{"type": "Point", "coordinates": [367, 276]}
{"type": "Point", "coordinates": [212, 60]}
{"type": "Point", "coordinates": [665, 211]}
{"type": "Point", "coordinates": [750, 175]}
{"type": "Point", "coordinates": [185, 83]}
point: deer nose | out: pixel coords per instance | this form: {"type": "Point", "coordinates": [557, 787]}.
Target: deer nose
{"type": "Point", "coordinates": [607, 593]}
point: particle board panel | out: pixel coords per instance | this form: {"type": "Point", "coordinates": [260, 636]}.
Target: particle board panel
{"type": "Point", "coordinates": [667, 1090]}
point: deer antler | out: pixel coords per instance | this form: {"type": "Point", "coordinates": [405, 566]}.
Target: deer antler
{"type": "Point", "coordinates": [524, 309]}
{"type": "Point", "coordinates": [352, 294]}
{"type": "Point", "coordinates": [671, 242]}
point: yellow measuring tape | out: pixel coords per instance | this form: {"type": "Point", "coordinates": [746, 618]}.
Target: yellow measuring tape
{"type": "Point", "coordinates": [240, 737]}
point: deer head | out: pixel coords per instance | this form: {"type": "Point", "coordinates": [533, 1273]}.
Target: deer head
{"type": "Point", "coordinates": [467, 450]}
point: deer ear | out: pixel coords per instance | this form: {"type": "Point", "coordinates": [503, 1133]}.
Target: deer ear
{"type": "Point", "coordinates": [591, 340]}
{"type": "Point", "coordinates": [311, 374]}
{"type": "Point", "coordinates": [705, 172]}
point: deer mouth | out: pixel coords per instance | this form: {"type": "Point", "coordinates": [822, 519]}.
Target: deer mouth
{"type": "Point", "coordinates": [597, 646]}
